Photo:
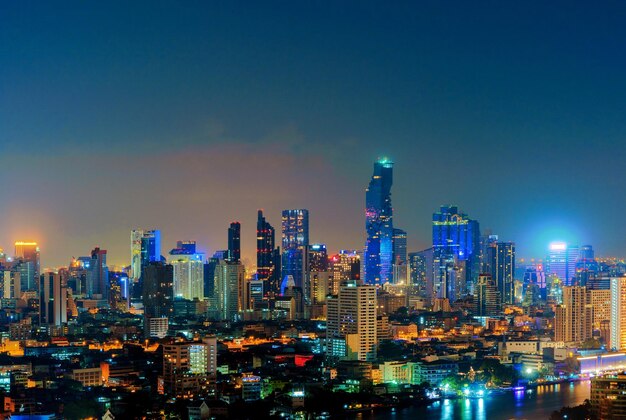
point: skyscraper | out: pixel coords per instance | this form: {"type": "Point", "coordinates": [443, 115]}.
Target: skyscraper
{"type": "Point", "coordinates": [158, 293]}
{"type": "Point", "coordinates": [267, 255]}
{"type": "Point", "coordinates": [379, 225]}
{"type": "Point", "coordinates": [234, 242]}
{"type": "Point", "coordinates": [230, 289]}
{"type": "Point", "coordinates": [344, 266]}
{"type": "Point", "coordinates": [27, 262]}
{"type": "Point", "coordinates": [150, 247]}
{"type": "Point", "coordinates": [52, 300]}
{"type": "Point", "coordinates": [617, 337]}
{"type": "Point", "coordinates": [562, 260]}
{"type": "Point", "coordinates": [98, 275]}
{"type": "Point", "coordinates": [318, 257]}
{"type": "Point", "coordinates": [188, 266]}
{"type": "Point", "coordinates": [351, 325]}
{"type": "Point", "coordinates": [573, 321]}
{"type": "Point", "coordinates": [503, 270]}
{"type": "Point", "coordinates": [295, 238]}
{"type": "Point", "coordinates": [487, 297]}
{"type": "Point", "coordinates": [456, 243]}
{"type": "Point", "coordinates": [399, 246]}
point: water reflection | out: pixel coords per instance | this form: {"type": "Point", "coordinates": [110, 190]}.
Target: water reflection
{"type": "Point", "coordinates": [530, 404]}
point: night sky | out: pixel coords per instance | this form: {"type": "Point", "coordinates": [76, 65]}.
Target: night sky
{"type": "Point", "coordinates": [186, 117]}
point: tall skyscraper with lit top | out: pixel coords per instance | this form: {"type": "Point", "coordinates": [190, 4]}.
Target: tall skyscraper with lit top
{"type": "Point", "coordinates": [267, 255]}
{"type": "Point", "coordinates": [379, 225]}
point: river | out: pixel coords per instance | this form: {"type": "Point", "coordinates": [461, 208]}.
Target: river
{"type": "Point", "coordinates": [536, 403]}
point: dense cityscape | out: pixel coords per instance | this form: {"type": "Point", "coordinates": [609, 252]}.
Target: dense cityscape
{"type": "Point", "coordinates": [305, 333]}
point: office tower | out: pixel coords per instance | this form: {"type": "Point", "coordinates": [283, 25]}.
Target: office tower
{"type": "Point", "coordinates": [52, 300]}
{"type": "Point", "coordinates": [418, 269]}
{"type": "Point", "coordinates": [587, 268]}
{"type": "Point", "coordinates": [290, 290]}
{"type": "Point", "coordinates": [267, 255]}
{"type": "Point", "coordinates": [487, 252]}
{"type": "Point", "coordinates": [234, 242]}
{"type": "Point", "coordinates": [399, 246]}
{"type": "Point", "coordinates": [135, 254]}
{"type": "Point", "coordinates": [11, 284]}
{"type": "Point", "coordinates": [188, 266]}
{"type": "Point", "coordinates": [295, 239]}
{"type": "Point", "coordinates": [151, 247]}
{"type": "Point", "coordinates": [534, 281]}
{"type": "Point", "coordinates": [600, 301]}
{"type": "Point", "coordinates": [26, 271]}
{"type": "Point", "coordinates": [618, 314]}
{"type": "Point", "coordinates": [378, 258]}
{"type": "Point", "coordinates": [119, 290]}
{"type": "Point", "coordinates": [503, 270]}
{"type": "Point", "coordinates": [343, 267]}
{"type": "Point", "coordinates": [574, 317]}
{"type": "Point", "coordinates": [98, 275]}
{"type": "Point", "coordinates": [351, 325]}
{"type": "Point", "coordinates": [487, 297]}
{"type": "Point", "coordinates": [158, 293]}
{"type": "Point", "coordinates": [229, 292]}
{"type": "Point", "coordinates": [562, 260]}
{"type": "Point", "coordinates": [318, 257]}
{"type": "Point", "coordinates": [320, 284]}
{"type": "Point", "coordinates": [29, 251]}
{"type": "Point", "coordinates": [255, 294]}
{"type": "Point", "coordinates": [400, 266]}
{"type": "Point", "coordinates": [456, 242]}
{"type": "Point", "coordinates": [189, 368]}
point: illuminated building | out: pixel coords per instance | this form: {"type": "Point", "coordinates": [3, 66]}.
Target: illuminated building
{"type": "Point", "coordinates": [234, 242]}
{"type": "Point", "coordinates": [52, 300]}
{"type": "Point", "coordinates": [251, 387]}
{"type": "Point", "coordinates": [617, 336]}
{"type": "Point", "coordinates": [29, 251]}
{"type": "Point", "coordinates": [503, 270]}
{"type": "Point", "coordinates": [456, 243]}
{"type": "Point", "coordinates": [573, 321]}
{"type": "Point", "coordinates": [319, 281]}
{"type": "Point", "coordinates": [352, 320]}
{"type": "Point", "coordinates": [378, 258]}
{"type": "Point", "coordinates": [188, 265]}
{"type": "Point", "coordinates": [421, 272]}
{"type": "Point", "coordinates": [487, 297]}
{"type": "Point", "coordinates": [295, 239]}
{"type": "Point", "coordinates": [229, 291]}
{"type": "Point", "coordinates": [399, 247]}
{"type": "Point", "coordinates": [562, 260]}
{"type": "Point", "coordinates": [145, 247]}
{"type": "Point", "coordinates": [600, 300]}
{"type": "Point", "coordinates": [98, 275]}
{"type": "Point", "coordinates": [344, 266]}
{"type": "Point", "coordinates": [158, 293]}
{"type": "Point", "coordinates": [189, 368]}
{"type": "Point", "coordinates": [318, 257]}
{"type": "Point", "coordinates": [267, 255]}
{"type": "Point", "coordinates": [608, 396]}
{"type": "Point", "coordinates": [534, 284]}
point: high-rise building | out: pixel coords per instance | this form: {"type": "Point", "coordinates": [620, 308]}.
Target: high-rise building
{"type": "Point", "coordinates": [189, 368]}
{"type": "Point", "coordinates": [562, 260]}
{"type": "Point", "coordinates": [456, 246]}
{"type": "Point", "coordinates": [295, 239]}
{"type": "Point", "coordinates": [320, 284]}
{"type": "Point", "coordinates": [52, 300]}
{"type": "Point", "coordinates": [399, 246]}
{"type": "Point", "coordinates": [234, 242]}
{"type": "Point", "coordinates": [600, 300]}
{"type": "Point", "coordinates": [188, 265]}
{"type": "Point", "coordinates": [573, 321]}
{"type": "Point", "coordinates": [343, 267]}
{"type": "Point", "coordinates": [158, 292]}
{"type": "Point", "coordinates": [230, 290]}
{"type": "Point", "coordinates": [267, 255]}
{"type": "Point", "coordinates": [135, 254]}
{"type": "Point", "coordinates": [503, 270]}
{"type": "Point", "coordinates": [617, 338]}
{"type": "Point", "coordinates": [98, 275]}
{"type": "Point", "coordinates": [608, 396]}
{"type": "Point", "coordinates": [318, 257]}
{"type": "Point", "coordinates": [351, 325]}
{"type": "Point", "coordinates": [487, 297]}
{"type": "Point", "coordinates": [29, 251]}
{"type": "Point", "coordinates": [378, 258]}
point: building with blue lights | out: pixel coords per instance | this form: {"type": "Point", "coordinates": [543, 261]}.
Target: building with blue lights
{"type": "Point", "coordinates": [378, 256]}
{"type": "Point", "coordinates": [295, 238]}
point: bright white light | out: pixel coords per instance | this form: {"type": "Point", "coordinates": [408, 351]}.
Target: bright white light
{"type": "Point", "coordinates": [558, 246]}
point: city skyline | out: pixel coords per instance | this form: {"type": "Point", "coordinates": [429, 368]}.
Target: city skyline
{"type": "Point", "coordinates": [110, 128]}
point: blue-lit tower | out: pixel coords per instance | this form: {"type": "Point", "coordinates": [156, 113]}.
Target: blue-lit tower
{"type": "Point", "coordinates": [379, 225]}
{"type": "Point", "coordinates": [295, 235]}
{"type": "Point", "coordinates": [456, 245]}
